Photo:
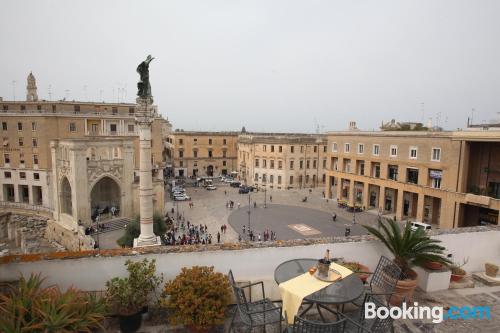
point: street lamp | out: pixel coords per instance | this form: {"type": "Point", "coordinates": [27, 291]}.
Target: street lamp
{"type": "Point", "coordinates": [249, 215]}
{"type": "Point", "coordinates": [265, 193]}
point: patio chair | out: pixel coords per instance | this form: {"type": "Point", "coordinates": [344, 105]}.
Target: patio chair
{"type": "Point", "coordinates": [254, 314]}
{"type": "Point", "coordinates": [383, 281]}
{"type": "Point", "coordinates": [302, 325]}
{"type": "Point", "coordinates": [356, 321]}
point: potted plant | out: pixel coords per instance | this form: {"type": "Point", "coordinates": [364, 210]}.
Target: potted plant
{"type": "Point", "coordinates": [197, 298]}
{"type": "Point", "coordinates": [360, 270]}
{"type": "Point", "coordinates": [30, 308]}
{"type": "Point", "coordinates": [457, 272]}
{"type": "Point", "coordinates": [410, 248]}
{"type": "Point", "coordinates": [128, 297]}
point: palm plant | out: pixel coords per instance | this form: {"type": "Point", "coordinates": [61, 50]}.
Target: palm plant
{"type": "Point", "coordinates": [409, 247]}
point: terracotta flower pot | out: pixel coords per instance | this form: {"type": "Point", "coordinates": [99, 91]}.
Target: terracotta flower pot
{"type": "Point", "coordinates": [130, 323]}
{"type": "Point", "coordinates": [456, 277]}
{"type": "Point", "coordinates": [491, 269]}
{"type": "Point", "coordinates": [433, 265]}
{"type": "Point", "coordinates": [404, 290]}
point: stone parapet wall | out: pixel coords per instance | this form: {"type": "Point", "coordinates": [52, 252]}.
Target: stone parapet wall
{"type": "Point", "coordinates": [73, 240]}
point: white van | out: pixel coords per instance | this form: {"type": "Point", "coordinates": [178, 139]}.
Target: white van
{"type": "Point", "coordinates": [420, 225]}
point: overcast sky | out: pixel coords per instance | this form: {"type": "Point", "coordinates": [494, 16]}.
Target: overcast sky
{"type": "Point", "coordinates": [268, 65]}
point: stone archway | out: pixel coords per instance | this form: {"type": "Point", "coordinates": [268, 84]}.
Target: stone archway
{"type": "Point", "coordinates": [105, 194]}
{"type": "Point", "coordinates": [66, 197]}
{"type": "Point", "coordinates": [210, 171]}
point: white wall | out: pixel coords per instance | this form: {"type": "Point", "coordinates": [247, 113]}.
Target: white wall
{"type": "Point", "coordinates": [249, 264]}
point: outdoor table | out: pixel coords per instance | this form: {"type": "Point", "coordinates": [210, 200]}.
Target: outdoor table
{"type": "Point", "coordinates": [337, 293]}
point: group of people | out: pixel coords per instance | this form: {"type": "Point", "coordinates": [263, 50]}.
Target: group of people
{"type": "Point", "coordinates": [184, 233]}
{"type": "Point", "coordinates": [268, 235]}
{"type": "Point", "coordinates": [230, 204]}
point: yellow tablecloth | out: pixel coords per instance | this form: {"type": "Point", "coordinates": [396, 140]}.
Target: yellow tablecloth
{"type": "Point", "coordinates": [294, 290]}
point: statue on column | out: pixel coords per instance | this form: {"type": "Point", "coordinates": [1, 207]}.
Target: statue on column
{"type": "Point", "coordinates": [143, 86]}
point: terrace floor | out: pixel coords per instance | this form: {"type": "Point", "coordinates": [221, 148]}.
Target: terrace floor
{"type": "Point", "coordinates": [481, 295]}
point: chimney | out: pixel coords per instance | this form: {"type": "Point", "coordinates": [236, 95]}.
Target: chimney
{"type": "Point", "coordinates": [352, 126]}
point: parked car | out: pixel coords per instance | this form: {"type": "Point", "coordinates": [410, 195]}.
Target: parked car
{"type": "Point", "coordinates": [228, 180]}
{"type": "Point", "coordinates": [181, 197]}
{"type": "Point", "coordinates": [243, 190]}
{"type": "Point", "coordinates": [420, 225]}
{"type": "Point", "coordinates": [211, 187]}
{"type": "Point", "coordinates": [235, 184]}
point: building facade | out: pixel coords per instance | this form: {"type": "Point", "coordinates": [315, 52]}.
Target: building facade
{"type": "Point", "coordinates": [282, 161]}
{"type": "Point", "coordinates": [51, 148]}
{"type": "Point", "coordinates": [449, 179]}
{"type": "Point", "coordinates": [201, 154]}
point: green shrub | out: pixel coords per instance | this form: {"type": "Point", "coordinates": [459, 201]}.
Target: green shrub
{"type": "Point", "coordinates": [133, 230]}
{"type": "Point", "coordinates": [31, 308]}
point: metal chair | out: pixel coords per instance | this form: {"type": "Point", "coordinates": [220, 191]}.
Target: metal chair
{"type": "Point", "coordinates": [254, 314]}
{"type": "Point", "coordinates": [356, 321]}
{"type": "Point", "coordinates": [301, 325]}
{"type": "Point", "coordinates": [383, 281]}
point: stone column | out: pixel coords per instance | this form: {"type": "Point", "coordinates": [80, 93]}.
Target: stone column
{"type": "Point", "coordinates": [381, 198]}
{"type": "Point", "coordinates": [420, 207]}
{"type": "Point", "coordinates": [351, 194]}
{"type": "Point", "coordinates": [399, 204]}
{"type": "Point", "coordinates": [366, 195]}
{"type": "Point", "coordinates": [144, 119]}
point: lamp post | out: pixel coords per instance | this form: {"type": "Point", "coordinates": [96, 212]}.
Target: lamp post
{"type": "Point", "coordinates": [249, 214]}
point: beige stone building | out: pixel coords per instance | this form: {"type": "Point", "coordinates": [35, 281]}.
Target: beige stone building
{"type": "Point", "coordinates": [201, 154]}
{"type": "Point", "coordinates": [282, 161]}
{"type": "Point", "coordinates": [72, 157]}
{"type": "Point", "coordinates": [449, 179]}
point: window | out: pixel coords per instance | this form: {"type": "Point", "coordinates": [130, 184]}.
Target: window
{"type": "Point", "coordinates": [210, 154]}
{"type": "Point", "coordinates": [271, 164]}
{"type": "Point", "coordinates": [224, 153]}
{"type": "Point", "coordinates": [315, 149]}
{"type": "Point", "coordinates": [301, 149]}
{"type": "Point", "coordinates": [95, 128]}
{"type": "Point", "coordinates": [314, 164]}
{"type": "Point", "coordinates": [291, 165]}
{"type": "Point", "coordinates": [435, 177]}
{"type": "Point", "coordinates": [21, 142]}
{"type": "Point", "coordinates": [361, 148]}
{"type": "Point", "coordinates": [347, 165]}
{"type": "Point", "coordinates": [72, 127]}
{"type": "Point", "coordinates": [308, 164]}
{"type": "Point", "coordinates": [347, 148]}
{"type": "Point", "coordinates": [53, 108]}
{"type": "Point", "coordinates": [39, 107]}
{"type": "Point", "coordinates": [264, 148]}
{"type": "Point", "coordinates": [195, 153]}
{"type": "Point", "coordinates": [335, 147]}
{"type": "Point", "coordinates": [280, 149]}
{"type": "Point", "coordinates": [361, 170]}
{"type": "Point", "coordinates": [4, 125]}
{"type": "Point", "coordinates": [279, 180]}
{"type": "Point", "coordinates": [35, 142]}
{"type": "Point", "coordinates": [19, 126]}
{"type": "Point", "coordinates": [271, 179]}
{"type": "Point", "coordinates": [392, 172]}
{"type": "Point", "coordinates": [181, 154]}
{"type": "Point", "coordinates": [35, 159]}
{"type": "Point", "coordinates": [33, 126]}
{"type": "Point", "coordinates": [224, 142]}
{"type": "Point", "coordinates": [436, 154]}
{"type": "Point", "coordinates": [413, 153]}
{"type": "Point", "coordinates": [6, 108]}
{"type": "Point", "coordinates": [394, 151]}
{"type": "Point", "coordinates": [7, 174]}
{"type": "Point", "coordinates": [21, 158]}
{"type": "Point", "coordinates": [195, 140]}
{"type": "Point", "coordinates": [181, 142]}
{"type": "Point", "coordinates": [209, 141]}
{"type": "Point", "coordinates": [301, 164]}
{"type": "Point", "coordinates": [376, 150]}
{"type": "Point", "coordinates": [264, 163]}
{"type": "Point", "coordinates": [292, 149]}
{"type": "Point", "coordinates": [76, 108]}
{"type": "Point", "coordinates": [23, 107]}
{"type": "Point", "coordinates": [112, 128]}
{"type": "Point", "coordinates": [256, 178]}
{"type": "Point", "coordinates": [131, 110]}
{"type": "Point", "coordinates": [272, 148]}
{"type": "Point", "coordinates": [412, 175]}
{"type": "Point", "coordinates": [280, 165]}
{"type": "Point", "coordinates": [264, 178]}
{"type": "Point", "coordinates": [291, 180]}
{"type": "Point", "coordinates": [256, 162]}
{"type": "Point", "coordinates": [6, 158]}
{"type": "Point", "coordinates": [223, 163]}
{"type": "Point", "coordinates": [181, 164]}
{"type": "Point", "coordinates": [131, 127]}
{"type": "Point", "coordinates": [114, 110]}
{"type": "Point", "coordinates": [376, 170]}
{"type": "Point", "coordinates": [36, 176]}
{"type": "Point", "coordinates": [324, 149]}
{"type": "Point", "coordinates": [22, 175]}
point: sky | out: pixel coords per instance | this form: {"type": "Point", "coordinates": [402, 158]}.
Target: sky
{"type": "Point", "coordinates": [268, 65]}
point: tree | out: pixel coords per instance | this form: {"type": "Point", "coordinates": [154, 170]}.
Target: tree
{"type": "Point", "coordinates": [133, 230]}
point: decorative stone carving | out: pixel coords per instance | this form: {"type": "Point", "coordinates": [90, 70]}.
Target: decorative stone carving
{"type": "Point", "coordinates": [104, 168]}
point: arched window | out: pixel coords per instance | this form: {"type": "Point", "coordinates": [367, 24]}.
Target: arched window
{"type": "Point", "coordinates": [66, 200]}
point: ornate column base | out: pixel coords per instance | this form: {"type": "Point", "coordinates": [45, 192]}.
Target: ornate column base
{"type": "Point", "coordinates": [143, 242]}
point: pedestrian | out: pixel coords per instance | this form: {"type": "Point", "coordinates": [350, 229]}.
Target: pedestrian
{"type": "Point", "coordinates": [323, 194]}
{"type": "Point", "coordinates": [238, 205]}
{"type": "Point", "coordinates": [225, 192]}
{"type": "Point", "coordinates": [218, 237]}
{"type": "Point", "coordinates": [255, 204]}
{"type": "Point", "coordinates": [334, 217]}
{"type": "Point", "coordinates": [270, 198]}
{"type": "Point", "coordinates": [239, 238]}
{"type": "Point", "coordinates": [347, 231]}
{"type": "Point", "coordinates": [244, 229]}
{"type": "Point", "coordinates": [259, 237]}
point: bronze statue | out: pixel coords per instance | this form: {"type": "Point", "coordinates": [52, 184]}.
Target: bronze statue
{"type": "Point", "coordinates": [144, 88]}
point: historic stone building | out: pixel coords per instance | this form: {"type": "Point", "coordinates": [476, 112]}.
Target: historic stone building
{"type": "Point", "coordinates": [282, 160]}
{"type": "Point", "coordinates": [201, 154]}
{"type": "Point", "coordinates": [449, 179]}
{"type": "Point", "coordinates": [71, 157]}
